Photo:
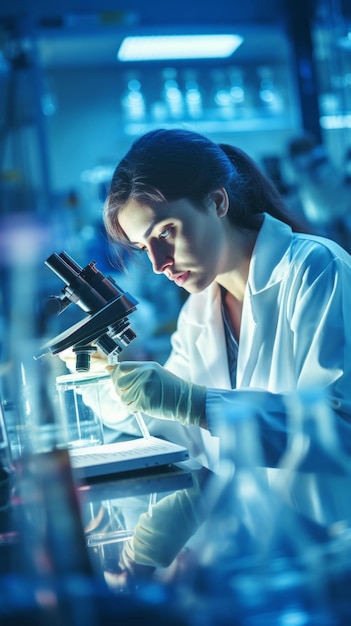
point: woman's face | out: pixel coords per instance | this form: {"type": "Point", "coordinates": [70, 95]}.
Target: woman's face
{"type": "Point", "coordinates": [185, 243]}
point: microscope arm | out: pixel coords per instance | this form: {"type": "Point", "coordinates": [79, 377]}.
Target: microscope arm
{"type": "Point", "coordinates": [111, 320]}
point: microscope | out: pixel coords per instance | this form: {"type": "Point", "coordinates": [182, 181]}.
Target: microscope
{"type": "Point", "coordinates": [107, 305]}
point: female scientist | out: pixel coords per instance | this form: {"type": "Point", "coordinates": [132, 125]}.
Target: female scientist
{"type": "Point", "coordinates": [268, 309]}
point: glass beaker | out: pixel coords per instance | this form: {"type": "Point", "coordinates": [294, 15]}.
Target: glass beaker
{"type": "Point", "coordinates": [80, 399]}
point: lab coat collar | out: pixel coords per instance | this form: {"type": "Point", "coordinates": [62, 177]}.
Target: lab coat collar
{"type": "Point", "coordinates": [270, 257]}
{"type": "Point", "coordinates": [268, 267]}
{"type": "Point", "coordinates": [213, 344]}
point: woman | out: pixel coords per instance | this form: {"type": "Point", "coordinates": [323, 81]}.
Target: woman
{"type": "Point", "coordinates": [267, 314]}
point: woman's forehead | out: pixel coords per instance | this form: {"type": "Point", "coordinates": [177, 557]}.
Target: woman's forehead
{"type": "Point", "coordinates": [139, 218]}
{"type": "Point", "coordinates": [140, 211]}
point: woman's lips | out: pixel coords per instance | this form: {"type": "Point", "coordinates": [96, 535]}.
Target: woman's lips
{"type": "Point", "coordinates": [180, 279]}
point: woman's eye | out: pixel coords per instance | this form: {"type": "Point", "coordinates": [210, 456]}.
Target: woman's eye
{"type": "Point", "coordinates": [137, 248]}
{"type": "Point", "coordinates": [165, 233]}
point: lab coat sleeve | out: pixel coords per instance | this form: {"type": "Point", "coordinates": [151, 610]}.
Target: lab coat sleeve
{"type": "Point", "coordinates": [224, 408]}
{"type": "Point", "coordinates": [278, 418]}
{"type": "Point", "coordinates": [322, 334]}
{"type": "Point", "coordinates": [318, 315]}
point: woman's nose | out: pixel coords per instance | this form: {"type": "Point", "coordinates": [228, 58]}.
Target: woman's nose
{"type": "Point", "coordinates": [160, 257]}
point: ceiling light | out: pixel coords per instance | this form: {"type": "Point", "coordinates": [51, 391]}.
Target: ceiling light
{"type": "Point", "coordinates": [163, 47]}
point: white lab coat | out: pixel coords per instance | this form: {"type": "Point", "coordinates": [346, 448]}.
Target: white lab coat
{"type": "Point", "coordinates": [295, 335]}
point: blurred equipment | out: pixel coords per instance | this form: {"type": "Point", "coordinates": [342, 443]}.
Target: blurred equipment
{"type": "Point", "coordinates": [108, 307]}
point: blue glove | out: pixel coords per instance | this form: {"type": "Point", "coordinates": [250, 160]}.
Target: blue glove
{"type": "Point", "coordinates": [148, 387]}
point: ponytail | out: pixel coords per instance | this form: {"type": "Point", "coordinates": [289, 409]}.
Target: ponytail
{"type": "Point", "coordinates": [254, 195]}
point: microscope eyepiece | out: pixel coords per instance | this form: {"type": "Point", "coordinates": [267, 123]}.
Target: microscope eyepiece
{"type": "Point", "coordinates": [67, 271]}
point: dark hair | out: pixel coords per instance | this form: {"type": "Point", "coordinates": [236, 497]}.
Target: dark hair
{"type": "Point", "coordinates": [168, 164]}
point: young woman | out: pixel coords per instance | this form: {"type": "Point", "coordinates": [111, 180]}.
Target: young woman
{"type": "Point", "coordinates": [268, 310]}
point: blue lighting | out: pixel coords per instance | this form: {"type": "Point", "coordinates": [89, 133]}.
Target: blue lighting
{"type": "Point", "coordinates": [163, 47]}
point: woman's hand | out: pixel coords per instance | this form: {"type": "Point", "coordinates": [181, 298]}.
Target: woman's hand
{"type": "Point", "coordinates": [148, 387]}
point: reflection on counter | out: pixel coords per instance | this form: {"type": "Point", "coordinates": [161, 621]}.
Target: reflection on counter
{"type": "Point", "coordinates": [128, 523]}
{"type": "Point", "coordinates": [182, 545]}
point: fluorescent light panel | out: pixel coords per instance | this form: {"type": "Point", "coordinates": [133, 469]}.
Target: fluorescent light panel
{"type": "Point", "coordinates": [163, 47]}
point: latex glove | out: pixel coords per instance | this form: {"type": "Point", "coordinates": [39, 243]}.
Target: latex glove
{"type": "Point", "coordinates": [162, 533]}
{"type": "Point", "coordinates": [148, 387]}
{"type": "Point", "coordinates": [98, 361]}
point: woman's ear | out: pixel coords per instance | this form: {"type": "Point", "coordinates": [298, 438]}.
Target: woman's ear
{"type": "Point", "coordinates": [221, 200]}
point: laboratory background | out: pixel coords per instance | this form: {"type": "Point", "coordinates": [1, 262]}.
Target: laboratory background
{"type": "Point", "coordinates": [72, 100]}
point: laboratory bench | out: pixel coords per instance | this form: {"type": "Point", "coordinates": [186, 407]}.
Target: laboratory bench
{"type": "Point", "coordinates": [61, 540]}
{"type": "Point", "coordinates": [178, 545]}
